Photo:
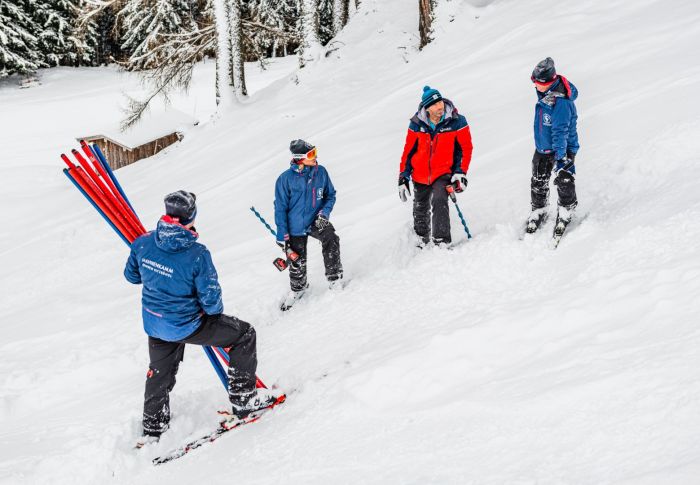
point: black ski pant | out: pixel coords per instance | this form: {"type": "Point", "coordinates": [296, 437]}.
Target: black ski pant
{"type": "Point", "coordinates": [330, 248]}
{"type": "Point", "coordinates": [165, 357]}
{"type": "Point", "coordinates": [542, 166]}
{"type": "Point", "coordinates": [425, 198]}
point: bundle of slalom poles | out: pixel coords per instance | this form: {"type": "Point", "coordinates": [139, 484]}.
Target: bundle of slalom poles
{"type": "Point", "coordinates": [94, 178]}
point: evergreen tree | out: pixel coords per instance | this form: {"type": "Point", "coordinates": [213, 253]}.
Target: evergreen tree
{"type": "Point", "coordinates": [59, 41]}
{"type": "Point", "coordinates": [145, 24]}
{"type": "Point", "coordinates": [18, 45]}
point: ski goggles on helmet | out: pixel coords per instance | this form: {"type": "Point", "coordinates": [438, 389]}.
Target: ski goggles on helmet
{"type": "Point", "coordinates": [310, 155]}
{"type": "Point", "coordinates": [542, 81]}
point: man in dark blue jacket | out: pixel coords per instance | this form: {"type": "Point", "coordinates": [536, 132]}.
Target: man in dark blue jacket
{"type": "Point", "coordinates": [304, 199]}
{"type": "Point", "coordinates": [181, 304]}
{"type": "Point", "coordinates": [556, 144]}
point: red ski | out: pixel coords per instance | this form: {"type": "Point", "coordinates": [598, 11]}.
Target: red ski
{"type": "Point", "coordinates": [224, 427]}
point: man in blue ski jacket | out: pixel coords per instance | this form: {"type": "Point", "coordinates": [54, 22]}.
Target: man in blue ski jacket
{"type": "Point", "coordinates": [304, 199]}
{"type": "Point", "coordinates": [181, 304]}
{"type": "Point", "coordinates": [556, 144]}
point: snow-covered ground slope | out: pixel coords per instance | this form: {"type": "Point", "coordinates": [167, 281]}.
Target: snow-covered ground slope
{"type": "Point", "coordinates": [501, 361]}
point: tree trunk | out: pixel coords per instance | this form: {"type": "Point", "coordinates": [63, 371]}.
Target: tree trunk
{"type": "Point", "coordinates": [237, 54]}
{"type": "Point", "coordinates": [425, 21]}
{"type": "Point", "coordinates": [340, 15]}
{"type": "Point", "coordinates": [224, 88]}
{"type": "Point", "coordinates": [310, 48]}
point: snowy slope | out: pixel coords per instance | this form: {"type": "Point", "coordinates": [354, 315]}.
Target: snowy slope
{"type": "Point", "coordinates": [499, 362]}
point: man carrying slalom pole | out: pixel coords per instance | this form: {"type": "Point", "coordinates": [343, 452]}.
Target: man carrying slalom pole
{"type": "Point", "coordinates": [436, 154]}
{"type": "Point", "coordinates": [181, 304]}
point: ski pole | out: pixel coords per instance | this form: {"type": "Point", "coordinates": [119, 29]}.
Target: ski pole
{"type": "Point", "coordinates": [451, 192]}
{"type": "Point", "coordinates": [262, 219]}
{"type": "Point", "coordinates": [279, 263]}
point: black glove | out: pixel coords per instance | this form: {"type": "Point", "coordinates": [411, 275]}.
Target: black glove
{"type": "Point", "coordinates": [565, 164]}
{"type": "Point", "coordinates": [403, 189]}
{"type": "Point", "coordinates": [459, 182]}
{"type": "Point", "coordinates": [322, 222]}
{"type": "Point", "coordinates": [282, 245]}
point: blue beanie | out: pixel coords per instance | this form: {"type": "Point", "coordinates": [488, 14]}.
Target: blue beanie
{"type": "Point", "coordinates": [430, 97]}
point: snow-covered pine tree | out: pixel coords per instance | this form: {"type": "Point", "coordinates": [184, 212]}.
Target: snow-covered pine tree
{"type": "Point", "coordinates": [310, 48]}
{"type": "Point", "coordinates": [146, 23]}
{"type": "Point", "coordinates": [18, 45]}
{"type": "Point", "coordinates": [325, 21]}
{"type": "Point", "coordinates": [59, 41]}
{"type": "Point", "coordinates": [273, 26]}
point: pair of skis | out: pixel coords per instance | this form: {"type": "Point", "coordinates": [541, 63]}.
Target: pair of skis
{"type": "Point", "coordinates": [560, 227]}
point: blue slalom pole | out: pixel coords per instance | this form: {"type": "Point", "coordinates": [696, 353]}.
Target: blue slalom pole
{"type": "Point", "coordinates": [217, 365]}
{"type": "Point", "coordinates": [262, 219]}
{"type": "Point", "coordinates": [451, 191]}
{"type": "Point", "coordinates": [77, 186]}
{"type": "Point", "coordinates": [103, 160]}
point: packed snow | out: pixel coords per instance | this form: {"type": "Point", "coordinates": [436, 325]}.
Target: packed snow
{"type": "Point", "coordinates": [501, 361]}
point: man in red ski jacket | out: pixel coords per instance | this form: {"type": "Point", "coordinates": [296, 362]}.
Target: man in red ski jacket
{"type": "Point", "coordinates": [437, 153]}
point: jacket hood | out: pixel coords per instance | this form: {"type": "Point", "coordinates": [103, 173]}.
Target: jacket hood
{"type": "Point", "coordinates": [561, 88]}
{"type": "Point", "coordinates": [173, 237]}
{"type": "Point", "coordinates": [421, 115]}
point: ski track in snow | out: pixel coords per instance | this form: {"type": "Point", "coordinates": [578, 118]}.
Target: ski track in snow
{"type": "Point", "coordinates": [501, 361]}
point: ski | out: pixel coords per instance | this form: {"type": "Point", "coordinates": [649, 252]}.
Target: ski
{"type": "Point", "coordinates": [563, 226]}
{"type": "Point", "coordinates": [228, 424]}
{"type": "Point", "coordinates": [536, 220]}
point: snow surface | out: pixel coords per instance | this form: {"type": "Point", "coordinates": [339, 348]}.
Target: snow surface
{"type": "Point", "coordinates": [500, 362]}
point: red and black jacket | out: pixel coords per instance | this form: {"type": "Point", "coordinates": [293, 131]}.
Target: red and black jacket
{"type": "Point", "coordinates": [430, 153]}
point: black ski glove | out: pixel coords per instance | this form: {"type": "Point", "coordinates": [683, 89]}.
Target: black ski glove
{"type": "Point", "coordinates": [322, 222]}
{"type": "Point", "coordinates": [459, 182]}
{"type": "Point", "coordinates": [566, 165]}
{"type": "Point", "coordinates": [404, 189]}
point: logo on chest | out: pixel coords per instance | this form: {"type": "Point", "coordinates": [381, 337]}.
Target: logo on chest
{"type": "Point", "coordinates": [547, 119]}
{"type": "Point", "coordinates": [319, 193]}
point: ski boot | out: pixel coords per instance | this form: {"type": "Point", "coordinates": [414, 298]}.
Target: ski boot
{"type": "Point", "coordinates": [564, 216]}
{"type": "Point", "coordinates": [292, 297]}
{"type": "Point", "coordinates": [146, 440]}
{"type": "Point", "coordinates": [246, 404]}
{"type": "Point", "coordinates": [536, 219]}
{"type": "Point", "coordinates": [335, 282]}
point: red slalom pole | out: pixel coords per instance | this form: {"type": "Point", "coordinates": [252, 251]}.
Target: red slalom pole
{"type": "Point", "coordinates": [125, 209]}
{"type": "Point", "coordinates": [106, 195]}
{"type": "Point", "coordinates": [84, 182]}
{"type": "Point", "coordinates": [89, 187]}
{"type": "Point", "coordinates": [222, 352]}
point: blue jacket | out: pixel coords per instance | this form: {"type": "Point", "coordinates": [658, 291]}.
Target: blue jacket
{"type": "Point", "coordinates": [301, 193]}
{"type": "Point", "coordinates": [180, 283]}
{"type": "Point", "coordinates": [555, 119]}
